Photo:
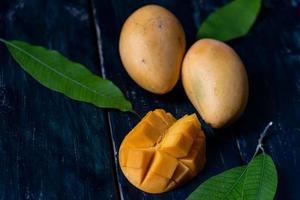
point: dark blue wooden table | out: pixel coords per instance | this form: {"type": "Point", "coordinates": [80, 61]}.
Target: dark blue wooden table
{"type": "Point", "coordinates": [52, 147]}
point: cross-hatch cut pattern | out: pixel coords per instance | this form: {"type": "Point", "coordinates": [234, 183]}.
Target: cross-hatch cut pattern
{"type": "Point", "coordinates": [161, 153]}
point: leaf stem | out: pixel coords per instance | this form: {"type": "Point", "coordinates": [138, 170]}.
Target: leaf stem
{"type": "Point", "coordinates": [258, 147]}
{"type": "Point", "coordinates": [261, 138]}
{"type": "Point", "coordinates": [2, 40]}
{"type": "Point", "coordinates": [260, 141]}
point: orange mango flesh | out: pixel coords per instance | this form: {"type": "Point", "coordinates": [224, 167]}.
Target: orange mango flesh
{"type": "Point", "coordinates": [161, 153]}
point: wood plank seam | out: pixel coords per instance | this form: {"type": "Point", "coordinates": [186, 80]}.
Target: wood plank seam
{"type": "Point", "coordinates": [107, 119]}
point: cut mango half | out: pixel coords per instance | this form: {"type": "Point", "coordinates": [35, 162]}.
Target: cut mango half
{"type": "Point", "coordinates": [160, 153]}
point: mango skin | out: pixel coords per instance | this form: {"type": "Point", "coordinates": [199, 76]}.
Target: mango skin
{"type": "Point", "coordinates": [215, 81]}
{"type": "Point", "coordinates": [152, 45]}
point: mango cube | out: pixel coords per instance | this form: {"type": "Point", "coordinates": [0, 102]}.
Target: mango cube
{"type": "Point", "coordinates": [187, 125]}
{"type": "Point", "coordinates": [156, 121]}
{"type": "Point", "coordinates": [138, 158]}
{"type": "Point", "coordinates": [171, 185]}
{"type": "Point", "coordinates": [154, 183]}
{"type": "Point", "coordinates": [193, 160]}
{"type": "Point", "coordinates": [177, 145]}
{"type": "Point", "coordinates": [181, 174]}
{"type": "Point", "coordinates": [199, 143]}
{"type": "Point", "coordinates": [164, 165]}
{"type": "Point", "coordinates": [137, 175]}
{"type": "Point", "coordinates": [166, 117]}
{"type": "Point", "coordinates": [144, 135]}
{"type": "Point", "coordinates": [171, 118]}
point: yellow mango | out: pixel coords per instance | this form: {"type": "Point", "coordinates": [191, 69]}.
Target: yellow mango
{"type": "Point", "coordinates": [161, 153]}
{"type": "Point", "coordinates": [215, 80]}
{"type": "Point", "coordinates": [152, 45]}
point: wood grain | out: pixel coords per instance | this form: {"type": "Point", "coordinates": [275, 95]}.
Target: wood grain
{"type": "Point", "coordinates": [222, 151]}
{"type": "Point", "coordinates": [271, 54]}
{"type": "Point", "coordinates": [51, 147]}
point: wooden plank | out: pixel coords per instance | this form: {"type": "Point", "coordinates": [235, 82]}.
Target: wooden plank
{"type": "Point", "coordinates": [222, 150]}
{"type": "Point", "coordinates": [51, 147]}
{"type": "Point", "coordinates": [272, 55]}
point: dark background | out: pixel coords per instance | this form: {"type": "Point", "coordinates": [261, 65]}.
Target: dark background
{"type": "Point", "coordinates": [52, 147]}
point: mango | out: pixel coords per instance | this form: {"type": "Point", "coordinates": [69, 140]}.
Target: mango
{"type": "Point", "coordinates": [161, 153]}
{"type": "Point", "coordinates": [152, 45]}
{"type": "Point", "coordinates": [216, 82]}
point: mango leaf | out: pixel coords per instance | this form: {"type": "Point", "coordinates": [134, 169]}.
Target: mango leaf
{"type": "Point", "coordinates": [227, 185]}
{"type": "Point", "coordinates": [54, 71]}
{"type": "Point", "coordinates": [261, 179]}
{"type": "Point", "coordinates": [230, 21]}
{"type": "Point", "coordinates": [257, 180]}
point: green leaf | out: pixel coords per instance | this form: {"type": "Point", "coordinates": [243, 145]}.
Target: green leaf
{"type": "Point", "coordinates": [230, 21]}
{"type": "Point", "coordinates": [226, 185]}
{"type": "Point", "coordinates": [261, 179]}
{"type": "Point", "coordinates": [257, 181]}
{"type": "Point", "coordinates": [54, 71]}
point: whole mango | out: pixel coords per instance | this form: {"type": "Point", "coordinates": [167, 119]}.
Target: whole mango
{"type": "Point", "coordinates": [215, 80]}
{"type": "Point", "coordinates": [152, 45]}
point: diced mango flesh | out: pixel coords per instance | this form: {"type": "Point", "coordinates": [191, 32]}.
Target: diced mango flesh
{"type": "Point", "coordinates": [156, 121]}
{"type": "Point", "coordinates": [192, 160]}
{"type": "Point", "coordinates": [143, 135]}
{"type": "Point", "coordinates": [171, 185]}
{"type": "Point", "coordinates": [123, 156]}
{"type": "Point", "coordinates": [161, 153]}
{"type": "Point", "coordinates": [138, 158]}
{"type": "Point", "coordinates": [182, 173]}
{"type": "Point", "coordinates": [177, 145]}
{"type": "Point", "coordinates": [166, 117]}
{"type": "Point", "coordinates": [187, 125]}
{"type": "Point", "coordinates": [154, 183]}
{"type": "Point", "coordinates": [164, 165]}
{"type": "Point", "coordinates": [136, 175]}
{"type": "Point", "coordinates": [195, 159]}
